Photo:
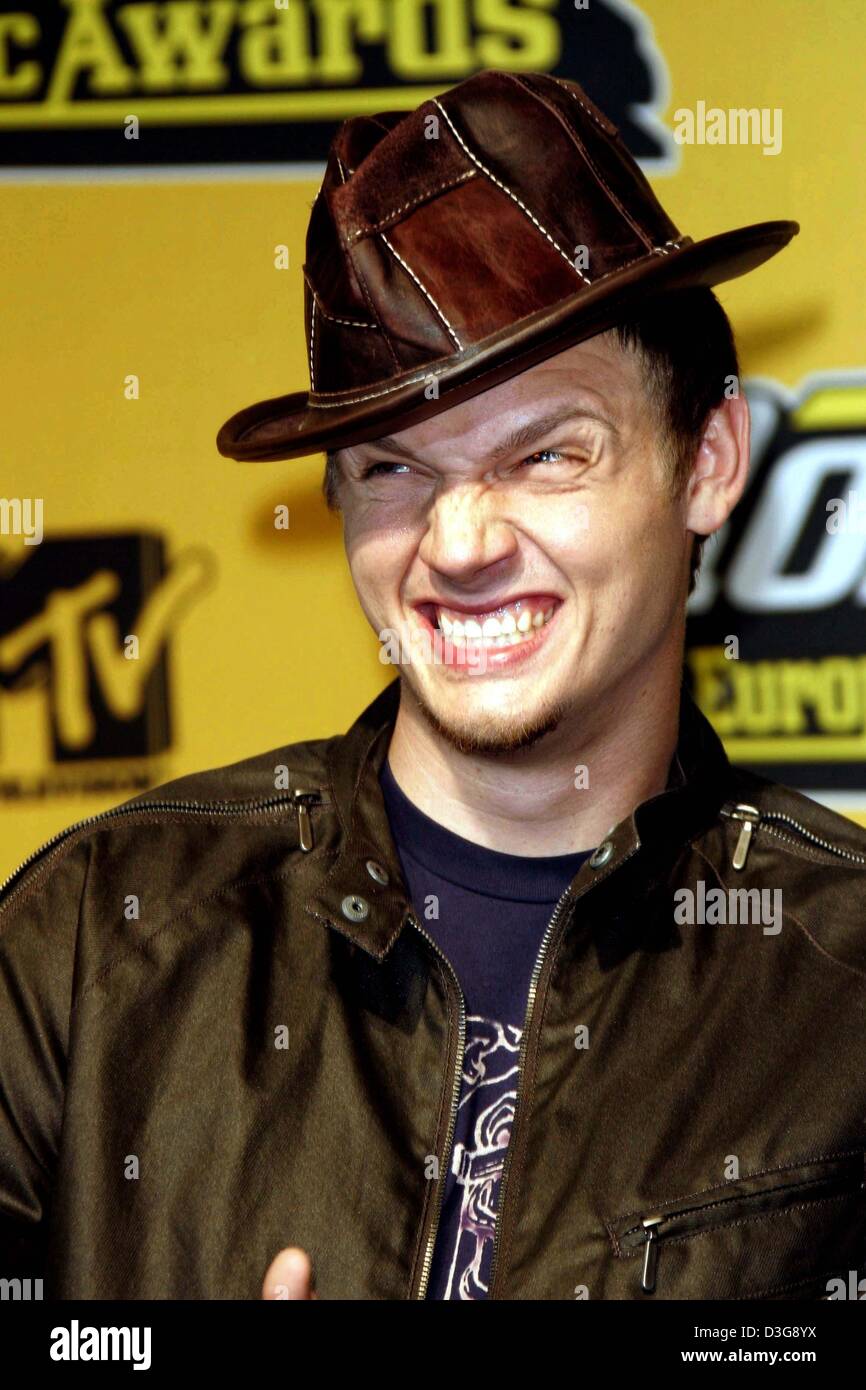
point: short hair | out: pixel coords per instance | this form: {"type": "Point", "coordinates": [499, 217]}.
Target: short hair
{"type": "Point", "coordinates": [686, 349]}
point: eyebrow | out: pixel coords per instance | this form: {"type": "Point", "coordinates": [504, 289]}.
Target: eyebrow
{"type": "Point", "coordinates": [518, 438]}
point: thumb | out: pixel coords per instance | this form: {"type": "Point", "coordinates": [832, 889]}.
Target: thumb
{"type": "Point", "coordinates": [290, 1275]}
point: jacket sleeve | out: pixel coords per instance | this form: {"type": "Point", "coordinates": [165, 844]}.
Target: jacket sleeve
{"type": "Point", "coordinates": [38, 932]}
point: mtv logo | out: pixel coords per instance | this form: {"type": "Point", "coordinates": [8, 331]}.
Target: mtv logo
{"type": "Point", "coordinates": [84, 628]}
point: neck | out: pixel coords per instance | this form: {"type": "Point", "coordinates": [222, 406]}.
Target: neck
{"type": "Point", "coordinates": [528, 802]}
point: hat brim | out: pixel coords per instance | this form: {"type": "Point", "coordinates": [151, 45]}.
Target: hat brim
{"type": "Point", "coordinates": [293, 426]}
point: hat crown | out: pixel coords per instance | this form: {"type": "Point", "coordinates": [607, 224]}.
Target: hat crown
{"type": "Point", "coordinates": [435, 229]}
{"type": "Point", "coordinates": [454, 246]}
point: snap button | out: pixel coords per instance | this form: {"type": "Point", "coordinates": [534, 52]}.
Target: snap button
{"type": "Point", "coordinates": [376, 871]}
{"type": "Point", "coordinates": [355, 908]}
{"type": "Point", "coordinates": [601, 855]}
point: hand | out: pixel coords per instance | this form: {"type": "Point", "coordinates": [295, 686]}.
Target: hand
{"type": "Point", "coordinates": [290, 1275]}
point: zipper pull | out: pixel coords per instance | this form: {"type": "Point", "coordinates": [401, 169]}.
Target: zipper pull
{"type": "Point", "coordinates": [750, 816]}
{"type": "Point", "coordinates": [651, 1253]}
{"type": "Point", "coordinates": [301, 800]}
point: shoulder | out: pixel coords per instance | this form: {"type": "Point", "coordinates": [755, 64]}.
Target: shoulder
{"type": "Point", "coordinates": [799, 820]}
{"type": "Point", "coordinates": [248, 779]}
{"type": "Point", "coordinates": [811, 856]}
{"type": "Point", "coordinates": [187, 835]}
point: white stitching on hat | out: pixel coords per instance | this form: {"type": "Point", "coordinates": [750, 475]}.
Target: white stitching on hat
{"type": "Point", "coordinates": [570, 92]}
{"type": "Point", "coordinates": [370, 305]}
{"type": "Point", "coordinates": [427, 193]}
{"type": "Point", "coordinates": [655, 250]}
{"type": "Point", "coordinates": [437, 371]}
{"type": "Point", "coordinates": [511, 195]}
{"type": "Point", "coordinates": [371, 395]}
{"type": "Point", "coordinates": [335, 318]}
{"type": "Point", "coordinates": [422, 288]}
{"type": "Point", "coordinates": [312, 339]}
{"type": "Point", "coordinates": [350, 323]}
{"type": "Point", "coordinates": [593, 117]}
{"type": "Point", "coordinates": [632, 222]}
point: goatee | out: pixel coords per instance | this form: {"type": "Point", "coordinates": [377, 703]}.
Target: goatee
{"type": "Point", "coordinates": [520, 732]}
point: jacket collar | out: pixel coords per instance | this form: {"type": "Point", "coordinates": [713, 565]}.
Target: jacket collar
{"type": "Point", "coordinates": [352, 899]}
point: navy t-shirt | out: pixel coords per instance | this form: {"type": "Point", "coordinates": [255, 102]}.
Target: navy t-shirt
{"type": "Point", "coordinates": [487, 912]}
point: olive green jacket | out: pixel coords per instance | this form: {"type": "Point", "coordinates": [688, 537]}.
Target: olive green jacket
{"type": "Point", "coordinates": [224, 1030]}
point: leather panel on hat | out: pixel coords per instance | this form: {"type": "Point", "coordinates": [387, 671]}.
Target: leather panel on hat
{"type": "Point", "coordinates": [531, 160]}
{"type": "Point", "coordinates": [404, 171]}
{"type": "Point", "coordinates": [358, 135]}
{"type": "Point", "coordinates": [328, 268]}
{"type": "Point", "coordinates": [482, 282]}
{"type": "Point", "coordinates": [621, 173]}
{"type": "Point", "coordinates": [344, 355]}
{"type": "Point", "coordinates": [410, 323]}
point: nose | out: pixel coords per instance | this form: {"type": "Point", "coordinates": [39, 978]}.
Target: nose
{"type": "Point", "coordinates": [465, 532]}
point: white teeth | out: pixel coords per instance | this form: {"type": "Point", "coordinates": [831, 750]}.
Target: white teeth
{"type": "Point", "coordinates": [503, 630]}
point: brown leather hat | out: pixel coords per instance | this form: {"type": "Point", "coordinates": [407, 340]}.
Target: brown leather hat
{"type": "Point", "coordinates": [451, 247]}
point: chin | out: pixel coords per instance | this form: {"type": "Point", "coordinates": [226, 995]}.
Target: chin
{"type": "Point", "coordinates": [491, 731]}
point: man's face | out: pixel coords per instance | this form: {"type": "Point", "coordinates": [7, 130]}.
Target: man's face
{"type": "Point", "coordinates": [530, 536]}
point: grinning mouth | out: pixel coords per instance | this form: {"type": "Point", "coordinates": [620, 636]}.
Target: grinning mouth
{"type": "Point", "coordinates": [503, 625]}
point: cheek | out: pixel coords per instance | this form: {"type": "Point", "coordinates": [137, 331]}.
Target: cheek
{"type": "Point", "coordinates": [377, 562]}
{"type": "Point", "coordinates": [628, 552]}
{"type": "Point", "coordinates": [647, 557]}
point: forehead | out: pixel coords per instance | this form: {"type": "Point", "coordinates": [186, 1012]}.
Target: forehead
{"type": "Point", "coordinates": [596, 376]}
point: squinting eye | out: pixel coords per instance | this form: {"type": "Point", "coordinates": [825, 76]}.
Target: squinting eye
{"type": "Point", "coordinates": [576, 456]}
{"type": "Point", "coordinates": [554, 453]}
{"type": "Point", "coordinates": [372, 471]}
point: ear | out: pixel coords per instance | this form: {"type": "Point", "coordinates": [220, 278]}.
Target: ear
{"type": "Point", "coordinates": [721, 467]}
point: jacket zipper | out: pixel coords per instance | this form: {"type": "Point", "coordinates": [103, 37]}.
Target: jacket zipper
{"type": "Point", "coordinates": [651, 1230]}
{"type": "Point", "coordinates": [524, 1044]}
{"type": "Point", "coordinates": [299, 799]}
{"type": "Point", "coordinates": [651, 1253]}
{"type": "Point", "coordinates": [445, 1160]}
{"type": "Point", "coordinates": [751, 818]}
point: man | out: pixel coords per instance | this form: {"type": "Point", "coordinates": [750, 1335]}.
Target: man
{"type": "Point", "coordinates": [517, 989]}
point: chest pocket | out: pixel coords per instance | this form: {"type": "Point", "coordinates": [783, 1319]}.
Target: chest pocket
{"type": "Point", "coordinates": [779, 1234]}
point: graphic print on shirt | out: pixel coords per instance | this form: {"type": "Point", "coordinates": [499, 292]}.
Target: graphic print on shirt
{"type": "Point", "coordinates": [489, 1092]}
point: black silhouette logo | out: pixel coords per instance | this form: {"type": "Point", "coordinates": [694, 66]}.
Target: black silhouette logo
{"type": "Point", "coordinates": [85, 623]}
